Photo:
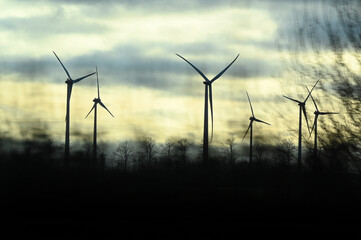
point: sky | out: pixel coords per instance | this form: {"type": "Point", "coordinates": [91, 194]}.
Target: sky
{"type": "Point", "coordinates": [149, 90]}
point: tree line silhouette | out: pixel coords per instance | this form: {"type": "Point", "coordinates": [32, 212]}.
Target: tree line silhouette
{"type": "Point", "coordinates": [146, 181]}
{"type": "Point", "coordinates": [146, 152]}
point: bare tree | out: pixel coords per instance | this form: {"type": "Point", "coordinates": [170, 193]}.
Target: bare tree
{"type": "Point", "coordinates": [168, 150]}
{"type": "Point", "coordinates": [260, 151]}
{"type": "Point", "coordinates": [286, 150]}
{"type": "Point", "coordinates": [229, 149]}
{"type": "Point", "coordinates": [124, 154]}
{"type": "Point", "coordinates": [149, 147]}
{"type": "Point", "coordinates": [182, 145]}
{"type": "Point", "coordinates": [169, 146]}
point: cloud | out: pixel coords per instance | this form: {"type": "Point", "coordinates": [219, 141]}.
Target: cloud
{"type": "Point", "coordinates": [53, 22]}
{"type": "Point", "coordinates": [128, 65]}
{"type": "Point", "coordinates": [306, 20]}
{"type": "Point", "coordinates": [154, 5]}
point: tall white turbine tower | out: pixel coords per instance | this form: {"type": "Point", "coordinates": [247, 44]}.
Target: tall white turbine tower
{"type": "Point", "coordinates": [69, 82]}
{"type": "Point", "coordinates": [208, 86]}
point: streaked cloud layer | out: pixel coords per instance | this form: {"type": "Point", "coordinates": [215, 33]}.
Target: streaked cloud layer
{"type": "Point", "coordinates": [143, 82]}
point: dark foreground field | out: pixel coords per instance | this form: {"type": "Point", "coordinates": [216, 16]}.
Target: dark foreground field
{"type": "Point", "coordinates": [159, 200]}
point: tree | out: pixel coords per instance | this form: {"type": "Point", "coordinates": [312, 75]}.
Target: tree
{"type": "Point", "coordinates": [149, 147]}
{"type": "Point", "coordinates": [260, 151]}
{"type": "Point", "coordinates": [286, 151]}
{"type": "Point", "coordinates": [229, 149]}
{"type": "Point", "coordinates": [169, 146]}
{"type": "Point", "coordinates": [124, 153]}
{"type": "Point", "coordinates": [182, 145]}
{"type": "Point", "coordinates": [167, 149]}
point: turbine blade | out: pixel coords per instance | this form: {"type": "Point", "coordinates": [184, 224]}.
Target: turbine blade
{"type": "Point", "coordinates": [305, 114]}
{"type": "Point", "coordinates": [314, 124]}
{"type": "Point", "coordinates": [66, 71]}
{"type": "Point", "coordinates": [291, 99]}
{"type": "Point", "coordinates": [101, 104]}
{"type": "Point", "coordinates": [327, 113]}
{"type": "Point", "coordinates": [247, 129]}
{"type": "Point", "coordinates": [211, 104]}
{"type": "Point", "coordinates": [250, 104]}
{"type": "Point", "coordinates": [195, 68]}
{"type": "Point", "coordinates": [81, 78]}
{"type": "Point", "coordinates": [90, 110]}
{"type": "Point", "coordinates": [311, 91]}
{"type": "Point", "coordinates": [257, 120]}
{"type": "Point", "coordinates": [220, 74]}
{"type": "Point", "coordinates": [96, 68]}
{"type": "Point", "coordinates": [313, 100]}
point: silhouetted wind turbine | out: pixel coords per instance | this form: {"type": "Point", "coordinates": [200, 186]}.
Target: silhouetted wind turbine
{"type": "Point", "coordinates": [317, 113]}
{"type": "Point", "coordinates": [252, 119]}
{"type": "Point", "coordinates": [96, 101]}
{"type": "Point", "coordinates": [302, 108]}
{"type": "Point", "coordinates": [208, 85]}
{"type": "Point", "coordinates": [69, 82]}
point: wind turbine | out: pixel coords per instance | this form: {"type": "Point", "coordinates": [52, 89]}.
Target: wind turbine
{"type": "Point", "coordinates": [252, 119]}
{"type": "Point", "coordinates": [302, 109]}
{"type": "Point", "coordinates": [317, 113]}
{"type": "Point", "coordinates": [208, 85]}
{"type": "Point", "coordinates": [96, 101]}
{"type": "Point", "coordinates": [69, 82]}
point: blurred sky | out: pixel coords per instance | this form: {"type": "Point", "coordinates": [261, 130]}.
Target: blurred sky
{"type": "Point", "coordinates": [149, 90]}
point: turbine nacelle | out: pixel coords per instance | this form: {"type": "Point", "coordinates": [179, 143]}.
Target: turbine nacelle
{"type": "Point", "coordinates": [96, 100]}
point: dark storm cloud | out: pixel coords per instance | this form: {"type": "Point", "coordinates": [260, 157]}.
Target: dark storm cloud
{"type": "Point", "coordinates": [129, 65]}
{"type": "Point", "coordinates": [29, 69]}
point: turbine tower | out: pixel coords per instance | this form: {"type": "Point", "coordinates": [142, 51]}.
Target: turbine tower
{"type": "Point", "coordinates": [69, 82]}
{"type": "Point", "coordinates": [317, 113]}
{"type": "Point", "coordinates": [302, 109]}
{"type": "Point", "coordinates": [208, 86]}
{"type": "Point", "coordinates": [252, 119]}
{"type": "Point", "coordinates": [96, 101]}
